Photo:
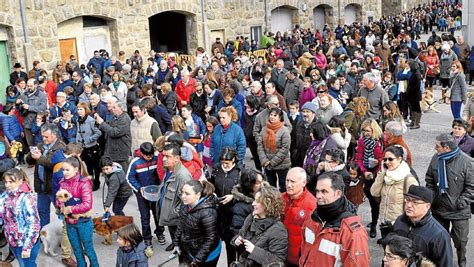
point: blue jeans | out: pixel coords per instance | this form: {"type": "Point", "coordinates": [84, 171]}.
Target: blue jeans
{"type": "Point", "coordinates": [82, 241]}
{"type": "Point", "coordinates": [44, 208]}
{"type": "Point", "coordinates": [456, 109]}
{"type": "Point", "coordinates": [145, 206]}
{"type": "Point", "coordinates": [27, 262]}
{"type": "Point", "coordinates": [118, 205]}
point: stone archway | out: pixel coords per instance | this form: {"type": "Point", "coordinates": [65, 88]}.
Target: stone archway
{"type": "Point", "coordinates": [283, 18]}
{"type": "Point", "coordinates": [352, 13]}
{"type": "Point", "coordinates": [323, 14]}
{"type": "Point", "coordinates": [181, 38]}
{"type": "Point", "coordinates": [82, 35]}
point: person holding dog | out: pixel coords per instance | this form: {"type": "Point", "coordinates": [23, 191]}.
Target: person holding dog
{"type": "Point", "coordinates": [79, 228]}
{"type": "Point", "coordinates": [20, 217]}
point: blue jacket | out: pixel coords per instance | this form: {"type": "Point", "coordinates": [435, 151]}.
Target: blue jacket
{"type": "Point", "coordinates": [236, 104]}
{"type": "Point", "coordinates": [200, 129]}
{"type": "Point", "coordinates": [132, 257]}
{"type": "Point", "coordinates": [55, 111]}
{"type": "Point", "coordinates": [12, 128]}
{"type": "Point", "coordinates": [231, 137]}
{"type": "Point", "coordinates": [471, 59]}
{"type": "Point", "coordinates": [142, 173]}
{"type": "Point", "coordinates": [63, 85]}
{"type": "Point", "coordinates": [36, 132]}
{"type": "Point", "coordinates": [98, 63]}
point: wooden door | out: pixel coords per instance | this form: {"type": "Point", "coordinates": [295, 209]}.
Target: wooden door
{"type": "Point", "coordinates": [68, 47]}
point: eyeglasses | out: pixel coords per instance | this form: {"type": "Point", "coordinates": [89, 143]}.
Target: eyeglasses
{"type": "Point", "coordinates": [413, 201]}
{"type": "Point", "coordinates": [391, 257]}
{"type": "Point", "coordinates": [388, 159]}
{"type": "Point", "coordinates": [321, 92]}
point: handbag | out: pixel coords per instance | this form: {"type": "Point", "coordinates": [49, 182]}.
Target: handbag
{"type": "Point", "coordinates": [448, 92]}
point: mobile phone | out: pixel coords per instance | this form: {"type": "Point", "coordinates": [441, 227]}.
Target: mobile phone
{"type": "Point", "coordinates": [385, 166]}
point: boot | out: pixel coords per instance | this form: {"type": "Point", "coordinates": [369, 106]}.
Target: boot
{"type": "Point", "coordinates": [443, 96]}
{"type": "Point", "coordinates": [416, 119]}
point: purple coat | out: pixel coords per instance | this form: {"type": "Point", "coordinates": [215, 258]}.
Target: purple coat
{"type": "Point", "coordinates": [307, 94]}
{"type": "Point", "coordinates": [467, 145]}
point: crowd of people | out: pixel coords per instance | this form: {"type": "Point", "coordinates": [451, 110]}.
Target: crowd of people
{"type": "Point", "coordinates": [323, 114]}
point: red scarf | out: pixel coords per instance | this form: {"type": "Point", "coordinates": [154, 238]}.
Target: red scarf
{"type": "Point", "coordinates": [269, 137]}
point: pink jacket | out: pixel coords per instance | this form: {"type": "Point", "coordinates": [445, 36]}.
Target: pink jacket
{"type": "Point", "coordinates": [81, 190]}
{"type": "Point", "coordinates": [378, 153]}
{"type": "Point", "coordinates": [307, 94]}
{"type": "Point", "coordinates": [321, 61]}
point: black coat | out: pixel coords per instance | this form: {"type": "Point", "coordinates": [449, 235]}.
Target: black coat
{"type": "Point", "coordinates": [300, 142]}
{"type": "Point", "coordinates": [198, 103]}
{"type": "Point", "coordinates": [15, 75]}
{"type": "Point", "coordinates": [196, 234]}
{"type": "Point", "coordinates": [429, 237]}
{"type": "Point", "coordinates": [413, 88]}
{"type": "Point", "coordinates": [161, 115]}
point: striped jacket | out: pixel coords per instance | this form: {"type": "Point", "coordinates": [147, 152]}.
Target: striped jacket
{"type": "Point", "coordinates": [142, 173]}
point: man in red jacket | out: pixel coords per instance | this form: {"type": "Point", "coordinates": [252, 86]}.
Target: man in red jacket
{"type": "Point", "coordinates": [299, 204]}
{"type": "Point", "coordinates": [333, 235]}
{"type": "Point", "coordinates": [184, 88]}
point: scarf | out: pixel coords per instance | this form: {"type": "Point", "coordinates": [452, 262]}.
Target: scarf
{"type": "Point", "coordinates": [400, 173]}
{"type": "Point", "coordinates": [442, 176]}
{"type": "Point", "coordinates": [330, 212]}
{"type": "Point", "coordinates": [369, 144]}
{"type": "Point", "coordinates": [269, 138]}
{"type": "Point", "coordinates": [313, 156]}
{"type": "Point", "coordinates": [116, 85]}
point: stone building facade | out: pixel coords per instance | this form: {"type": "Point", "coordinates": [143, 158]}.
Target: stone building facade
{"type": "Point", "coordinates": [58, 28]}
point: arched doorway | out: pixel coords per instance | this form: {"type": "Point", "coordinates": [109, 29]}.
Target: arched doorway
{"type": "Point", "coordinates": [172, 31]}
{"type": "Point", "coordinates": [352, 13]}
{"type": "Point", "coordinates": [81, 36]}
{"type": "Point", "coordinates": [323, 14]}
{"type": "Point", "coordinates": [282, 19]}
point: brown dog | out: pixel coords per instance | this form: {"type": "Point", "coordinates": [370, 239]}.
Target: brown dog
{"type": "Point", "coordinates": [114, 223]}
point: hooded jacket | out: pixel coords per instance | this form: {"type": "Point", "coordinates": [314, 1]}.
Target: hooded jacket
{"type": "Point", "coordinates": [132, 257]}
{"type": "Point", "coordinates": [117, 185]}
{"type": "Point", "coordinates": [20, 218]}
{"type": "Point", "coordinates": [81, 189]}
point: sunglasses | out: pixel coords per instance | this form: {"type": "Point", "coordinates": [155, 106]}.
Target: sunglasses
{"type": "Point", "coordinates": [388, 159]}
{"type": "Point", "coordinates": [321, 92]}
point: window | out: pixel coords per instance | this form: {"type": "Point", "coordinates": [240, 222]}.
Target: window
{"type": "Point", "coordinates": [256, 33]}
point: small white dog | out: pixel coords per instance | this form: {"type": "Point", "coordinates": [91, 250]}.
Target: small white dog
{"type": "Point", "coordinates": [51, 236]}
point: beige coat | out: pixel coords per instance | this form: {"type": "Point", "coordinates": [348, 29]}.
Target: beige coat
{"type": "Point", "coordinates": [390, 187]}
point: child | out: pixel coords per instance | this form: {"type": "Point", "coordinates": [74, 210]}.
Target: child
{"type": "Point", "coordinates": [211, 123]}
{"type": "Point", "coordinates": [307, 94]}
{"type": "Point", "coordinates": [132, 250]}
{"type": "Point", "coordinates": [79, 230]}
{"type": "Point", "coordinates": [294, 115]}
{"type": "Point", "coordinates": [355, 188]}
{"type": "Point", "coordinates": [20, 218]}
{"type": "Point", "coordinates": [11, 126]}
{"type": "Point", "coordinates": [118, 188]}
{"type": "Point", "coordinates": [40, 120]}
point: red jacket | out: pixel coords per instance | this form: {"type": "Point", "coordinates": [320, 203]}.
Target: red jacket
{"type": "Point", "coordinates": [184, 92]}
{"type": "Point", "coordinates": [431, 60]}
{"type": "Point", "coordinates": [80, 189]}
{"type": "Point", "coordinates": [295, 214]}
{"type": "Point", "coordinates": [50, 91]}
{"type": "Point", "coordinates": [322, 246]}
{"type": "Point", "coordinates": [378, 153]}
{"type": "Point", "coordinates": [194, 166]}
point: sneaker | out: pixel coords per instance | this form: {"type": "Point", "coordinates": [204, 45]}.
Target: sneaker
{"type": "Point", "coordinates": [161, 239]}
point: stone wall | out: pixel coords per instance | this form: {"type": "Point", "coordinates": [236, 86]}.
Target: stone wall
{"type": "Point", "coordinates": [128, 20]}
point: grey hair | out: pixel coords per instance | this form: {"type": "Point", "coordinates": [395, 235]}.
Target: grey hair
{"type": "Point", "coordinates": [184, 72]}
{"type": "Point", "coordinates": [301, 173]}
{"type": "Point", "coordinates": [371, 77]}
{"type": "Point", "coordinates": [121, 105]}
{"type": "Point", "coordinates": [394, 127]}
{"type": "Point", "coordinates": [256, 83]}
{"type": "Point", "coordinates": [270, 98]}
{"type": "Point", "coordinates": [50, 127]}
{"type": "Point", "coordinates": [447, 140]}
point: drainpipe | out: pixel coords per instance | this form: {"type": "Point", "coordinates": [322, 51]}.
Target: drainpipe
{"type": "Point", "coordinates": [27, 47]}
{"type": "Point", "coordinates": [203, 21]}
{"type": "Point", "coordinates": [265, 6]}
